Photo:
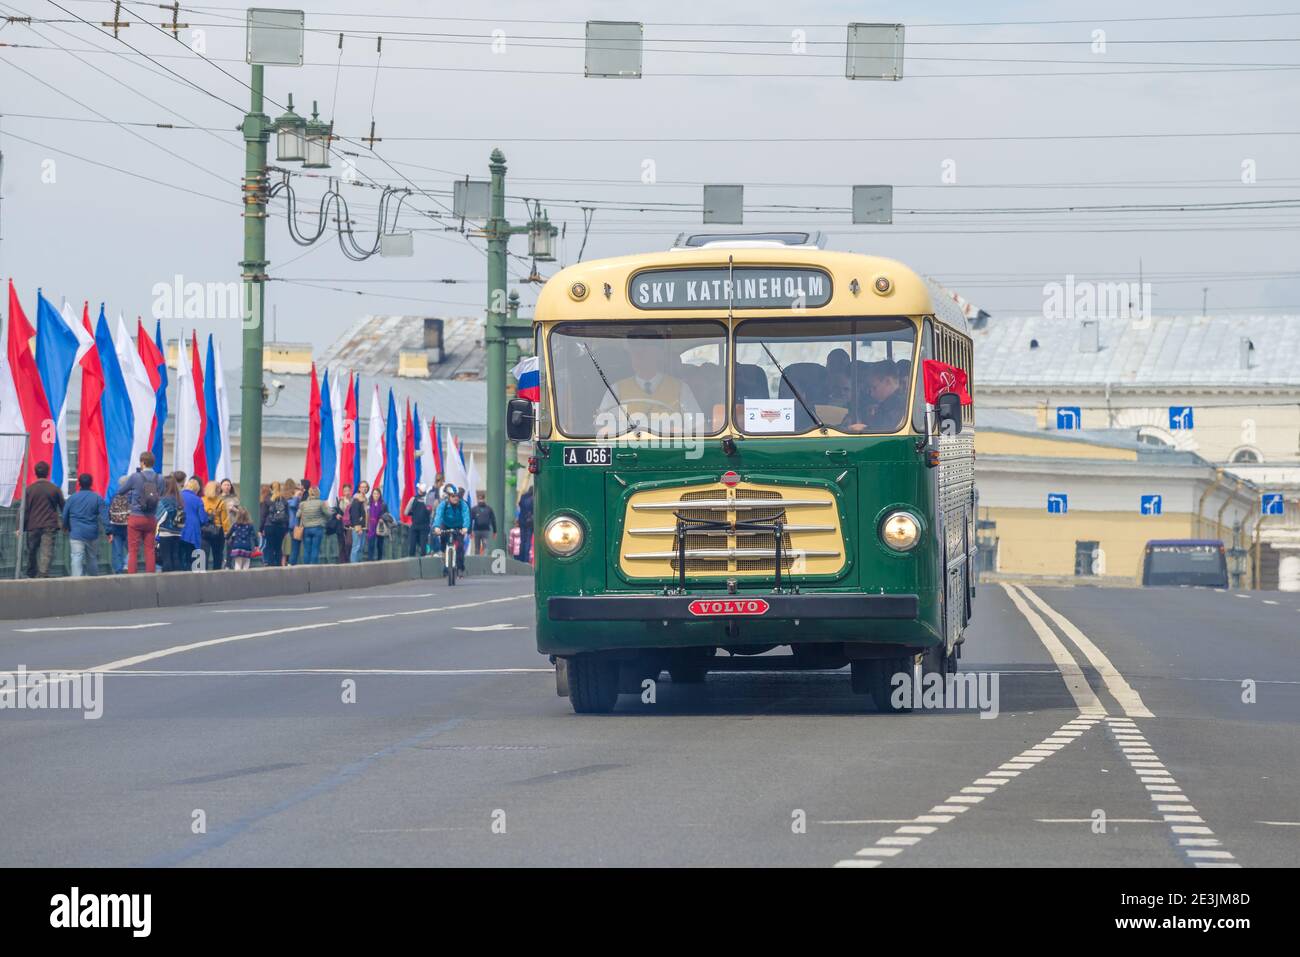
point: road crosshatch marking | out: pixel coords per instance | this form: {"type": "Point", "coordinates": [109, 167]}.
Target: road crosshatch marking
{"type": "Point", "coordinates": [1193, 838]}
{"type": "Point", "coordinates": [886, 847]}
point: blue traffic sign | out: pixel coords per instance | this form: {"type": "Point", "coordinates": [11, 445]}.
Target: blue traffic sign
{"type": "Point", "coordinates": [1271, 503]}
{"type": "Point", "coordinates": [1058, 503]}
{"type": "Point", "coordinates": [1068, 417]}
{"type": "Point", "coordinates": [1151, 504]}
{"type": "Point", "coordinates": [1180, 417]}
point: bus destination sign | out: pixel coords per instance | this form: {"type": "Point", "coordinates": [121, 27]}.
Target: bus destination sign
{"type": "Point", "coordinates": [745, 287]}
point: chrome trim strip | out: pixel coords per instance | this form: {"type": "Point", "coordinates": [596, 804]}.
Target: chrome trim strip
{"type": "Point", "coordinates": [727, 504]}
{"type": "Point", "coordinates": [672, 530]}
{"type": "Point", "coordinates": [737, 553]}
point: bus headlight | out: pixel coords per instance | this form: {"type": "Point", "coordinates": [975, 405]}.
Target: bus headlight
{"type": "Point", "coordinates": [899, 531]}
{"type": "Point", "coordinates": [563, 535]}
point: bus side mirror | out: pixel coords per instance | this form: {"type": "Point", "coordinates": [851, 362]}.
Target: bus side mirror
{"type": "Point", "coordinates": [519, 420]}
{"type": "Point", "coordinates": [949, 413]}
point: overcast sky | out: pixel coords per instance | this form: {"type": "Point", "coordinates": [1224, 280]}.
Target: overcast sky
{"type": "Point", "coordinates": [93, 233]}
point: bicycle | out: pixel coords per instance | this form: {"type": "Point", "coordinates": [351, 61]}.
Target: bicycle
{"type": "Point", "coordinates": [455, 538]}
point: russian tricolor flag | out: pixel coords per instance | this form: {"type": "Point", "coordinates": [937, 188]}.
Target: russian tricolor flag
{"type": "Point", "coordinates": [526, 373]}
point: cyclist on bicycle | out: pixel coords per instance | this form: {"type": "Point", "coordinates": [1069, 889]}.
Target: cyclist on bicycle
{"type": "Point", "coordinates": [452, 518]}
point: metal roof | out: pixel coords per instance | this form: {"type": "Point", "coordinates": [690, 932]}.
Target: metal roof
{"type": "Point", "coordinates": [372, 344]}
{"type": "Point", "coordinates": [1182, 351]}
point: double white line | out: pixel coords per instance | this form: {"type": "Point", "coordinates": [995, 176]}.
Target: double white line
{"type": "Point", "coordinates": [1075, 680]}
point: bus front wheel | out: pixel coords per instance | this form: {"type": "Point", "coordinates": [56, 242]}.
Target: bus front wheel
{"type": "Point", "coordinates": [593, 684]}
{"type": "Point", "coordinates": [875, 676]}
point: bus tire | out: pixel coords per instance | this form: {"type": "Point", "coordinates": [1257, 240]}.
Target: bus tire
{"type": "Point", "coordinates": [593, 684]}
{"type": "Point", "coordinates": [688, 673]}
{"type": "Point", "coordinates": [880, 674]}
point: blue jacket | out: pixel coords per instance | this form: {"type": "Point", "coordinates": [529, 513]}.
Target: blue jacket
{"type": "Point", "coordinates": [448, 518]}
{"type": "Point", "coordinates": [82, 514]}
{"type": "Point", "coordinates": [196, 516]}
{"type": "Point", "coordinates": [134, 484]}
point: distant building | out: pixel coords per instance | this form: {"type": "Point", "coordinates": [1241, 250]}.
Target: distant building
{"type": "Point", "coordinates": [1224, 388]}
{"type": "Point", "coordinates": [1084, 504]}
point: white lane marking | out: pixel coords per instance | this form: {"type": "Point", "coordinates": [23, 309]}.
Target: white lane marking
{"type": "Point", "coordinates": [151, 624]}
{"type": "Point", "coordinates": [857, 863]}
{"type": "Point", "coordinates": [1280, 823]}
{"type": "Point", "coordinates": [121, 663]}
{"type": "Point", "coordinates": [1122, 691]}
{"type": "Point", "coordinates": [1183, 822]}
{"type": "Point", "coordinates": [381, 672]}
{"type": "Point", "coordinates": [1088, 820]}
{"type": "Point", "coordinates": [912, 832]}
{"type": "Point", "coordinates": [1084, 698]}
{"type": "Point", "coordinates": [1243, 596]}
{"type": "Point", "coordinates": [489, 627]}
{"type": "Point", "coordinates": [256, 611]}
{"type": "Point", "coordinates": [872, 820]}
{"type": "Point", "coordinates": [423, 594]}
{"type": "Point", "coordinates": [1269, 601]}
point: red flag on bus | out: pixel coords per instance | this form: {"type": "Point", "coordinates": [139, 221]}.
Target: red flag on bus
{"type": "Point", "coordinates": [940, 378]}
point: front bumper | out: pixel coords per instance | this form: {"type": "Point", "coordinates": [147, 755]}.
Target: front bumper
{"type": "Point", "coordinates": [648, 608]}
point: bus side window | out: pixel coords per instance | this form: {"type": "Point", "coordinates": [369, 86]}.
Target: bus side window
{"type": "Point", "coordinates": [544, 405]}
{"type": "Point", "coordinates": [918, 400]}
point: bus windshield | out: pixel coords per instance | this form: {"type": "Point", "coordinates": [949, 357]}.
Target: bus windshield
{"type": "Point", "coordinates": [850, 375]}
{"type": "Point", "coordinates": [662, 378]}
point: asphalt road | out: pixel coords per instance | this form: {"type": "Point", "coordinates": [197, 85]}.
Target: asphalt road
{"type": "Point", "coordinates": [417, 725]}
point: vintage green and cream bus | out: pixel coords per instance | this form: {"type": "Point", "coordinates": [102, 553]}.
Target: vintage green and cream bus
{"type": "Point", "coordinates": [734, 452]}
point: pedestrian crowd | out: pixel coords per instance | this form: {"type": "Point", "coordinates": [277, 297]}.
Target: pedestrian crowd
{"type": "Point", "coordinates": [172, 523]}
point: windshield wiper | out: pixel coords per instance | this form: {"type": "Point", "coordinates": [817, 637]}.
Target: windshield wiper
{"type": "Point", "coordinates": [786, 379]}
{"type": "Point", "coordinates": [586, 347]}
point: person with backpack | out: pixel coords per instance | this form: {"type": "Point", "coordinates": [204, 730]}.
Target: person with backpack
{"type": "Point", "coordinates": [119, 513]}
{"type": "Point", "coordinates": [171, 519]}
{"type": "Point", "coordinates": [83, 513]}
{"type": "Point", "coordinates": [484, 522]}
{"type": "Point", "coordinates": [453, 516]}
{"type": "Point", "coordinates": [420, 516]}
{"type": "Point", "coordinates": [275, 524]}
{"type": "Point", "coordinates": [312, 517]}
{"type": "Point", "coordinates": [143, 489]}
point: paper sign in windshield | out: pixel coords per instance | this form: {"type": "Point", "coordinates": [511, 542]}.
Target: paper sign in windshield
{"type": "Point", "coordinates": [769, 415]}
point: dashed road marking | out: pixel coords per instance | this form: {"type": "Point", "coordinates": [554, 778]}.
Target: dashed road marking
{"type": "Point", "coordinates": [150, 624]}
{"type": "Point", "coordinates": [122, 663]}
{"type": "Point", "coordinates": [1192, 836]}
{"type": "Point", "coordinates": [912, 832]}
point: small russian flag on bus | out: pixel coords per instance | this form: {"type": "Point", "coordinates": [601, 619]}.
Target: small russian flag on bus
{"type": "Point", "coordinates": [525, 372]}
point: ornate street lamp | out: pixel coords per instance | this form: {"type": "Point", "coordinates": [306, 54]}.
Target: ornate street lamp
{"type": "Point", "coordinates": [290, 136]}
{"type": "Point", "coordinates": [319, 134]}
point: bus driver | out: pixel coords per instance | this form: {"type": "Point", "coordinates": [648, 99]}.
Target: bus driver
{"type": "Point", "coordinates": [650, 399]}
